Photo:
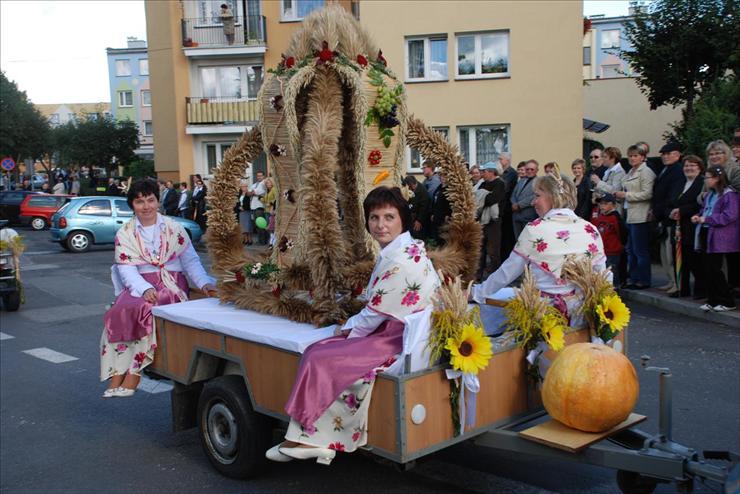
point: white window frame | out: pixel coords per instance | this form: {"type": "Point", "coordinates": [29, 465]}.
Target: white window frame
{"type": "Point", "coordinates": [143, 102]}
{"type": "Point", "coordinates": [244, 78]}
{"type": "Point", "coordinates": [221, 147]}
{"type": "Point", "coordinates": [290, 16]}
{"type": "Point", "coordinates": [427, 58]}
{"type": "Point", "coordinates": [203, 20]}
{"type": "Point", "coordinates": [145, 62]}
{"type": "Point", "coordinates": [586, 54]}
{"type": "Point", "coordinates": [120, 68]}
{"type": "Point", "coordinates": [478, 70]}
{"type": "Point", "coordinates": [603, 38]}
{"type": "Point", "coordinates": [472, 145]}
{"type": "Point", "coordinates": [143, 126]}
{"type": "Point", "coordinates": [122, 99]}
{"type": "Point", "coordinates": [408, 151]}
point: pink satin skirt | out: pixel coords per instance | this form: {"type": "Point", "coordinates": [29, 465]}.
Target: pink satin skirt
{"type": "Point", "coordinates": [130, 318]}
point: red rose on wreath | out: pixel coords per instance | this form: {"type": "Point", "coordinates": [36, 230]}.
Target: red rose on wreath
{"type": "Point", "coordinates": [357, 290]}
{"type": "Point", "coordinates": [277, 291]}
{"type": "Point", "coordinates": [374, 157]}
{"type": "Point", "coordinates": [325, 55]}
{"type": "Point", "coordinates": [240, 278]}
{"type": "Point", "coordinates": [362, 60]}
{"type": "Point", "coordinates": [381, 58]}
{"type": "Point", "coordinates": [289, 62]}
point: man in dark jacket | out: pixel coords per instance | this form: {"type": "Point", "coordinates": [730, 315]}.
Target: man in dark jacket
{"type": "Point", "coordinates": [509, 176]}
{"type": "Point", "coordinates": [420, 207]}
{"type": "Point", "coordinates": [169, 199]}
{"type": "Point", "coordinates": [668, 184]}
{"type": "Point", "coordinates": [490, 218]}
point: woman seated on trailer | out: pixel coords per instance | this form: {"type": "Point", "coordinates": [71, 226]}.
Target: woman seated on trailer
{"type": "Point", "coordinates": [330, 399]}
{"type": "Point", "coordinates": [153, 253]}
{"type": "Point", "coordinates": [546, 243]}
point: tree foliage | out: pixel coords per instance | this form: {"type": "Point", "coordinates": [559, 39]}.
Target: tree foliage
{"type": "Point", "coordinates": [680, 47]}
{"type": "Point", "coordinates": [94, 140]}
{"type": "Point", "coordinates": [24, 132]}
{"type": "Point", "coordinates": [716, 115]}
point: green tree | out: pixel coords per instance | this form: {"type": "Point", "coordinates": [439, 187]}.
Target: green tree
{"type": "Point", "coordinates": [680, 47]}
{"type": "Point", "coordinates": [716, 115]}
{"type": "Point", "coordinates": [24, 132]}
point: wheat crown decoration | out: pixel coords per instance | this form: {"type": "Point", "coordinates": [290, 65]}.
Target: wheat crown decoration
{"type": "Point", "coordinates": [333, 124]}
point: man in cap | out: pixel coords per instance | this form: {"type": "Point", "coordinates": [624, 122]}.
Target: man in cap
{"type": "Point", "coordinates": [668, 185]}
{"type": "Point", "coordinates": [492, 194]}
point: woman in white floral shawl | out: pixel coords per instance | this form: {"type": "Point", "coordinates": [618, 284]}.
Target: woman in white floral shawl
{"type": "Point", "coordinates": [330, 399]}
{"type": "Point", "coordinates": [546, 243]}
{"type": "Point", "coordinates": [152, 252]}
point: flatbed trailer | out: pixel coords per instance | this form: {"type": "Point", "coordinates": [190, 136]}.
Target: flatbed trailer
{"type": "Point", "coordinates": [234, 391]}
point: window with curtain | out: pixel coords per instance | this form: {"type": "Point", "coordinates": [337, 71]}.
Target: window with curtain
{"type": "Point", "coordinates": [215, 154]}
{"type": "Point", "coordinates": [295, 10]}
{"type": "Point", "coordinates": [610, 38]}
{"type": "Point", "coordinates": [414, 159]}
{"type": "Point", "coordinates": [483, 55]}
{"type": "Point", "coordinates": [123, 67]}
{"type": "Point", "coordinates": [426, 59]}
{"type": "Point", "coordinates": [125, 98]}
{"type": "Point", "coordinates": [483, 143]}
{"type": "Point", "coordinates": [209, 11]}
{"type": "Point", "coordinates": [144, 66]}
{"type": "Point", "coordinates": [229, 81]}
{"type": "Point", "coordinates": [146, 98]}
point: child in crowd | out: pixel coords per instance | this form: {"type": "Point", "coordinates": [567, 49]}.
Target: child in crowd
{"type": "Point", "coordinates": [718, 236]}
{"type": "Point", "coordinates": [613, 232]}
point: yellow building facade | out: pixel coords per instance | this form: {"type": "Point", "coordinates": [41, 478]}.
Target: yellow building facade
{"type": "Point", "coordinates": [494, 76]}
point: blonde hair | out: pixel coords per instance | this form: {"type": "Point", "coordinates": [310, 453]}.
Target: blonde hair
{"type": "Point", "coordinates": [561, 189]}
{"type": "Point", "coordinates": [720, 145]}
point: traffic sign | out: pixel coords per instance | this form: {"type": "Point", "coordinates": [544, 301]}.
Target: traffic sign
{"type": "Point", "coordinates": [7, 164]}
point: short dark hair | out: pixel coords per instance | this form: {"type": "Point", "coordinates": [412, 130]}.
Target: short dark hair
{"type": "Point", "coordinates": [410, 180]}
{"type": "Point", "coordinates": [637, 149]}
{"type": "Point", "coordinates": [521, 164]}
{"type": "Point", "coordinates": [142, 188]}
{"type": "Point", "coordinates": [224, 6]}
{"type": "Point", "coordinates": [387, 196]}
{"type": "Point", "coordinates": [183, 184]}
{"type": "Point", "coordinates": [613, 153]}
{"type": "Point", "coordinates": [692, 158]}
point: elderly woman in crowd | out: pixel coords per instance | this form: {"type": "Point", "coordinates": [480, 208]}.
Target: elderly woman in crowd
{"type": "Point", "coordinates": [718, 236]}
{"type": "Point", "coordinates": [330, 399]}
{"type": "Point", "coordinates": [153, 253]}
{"type": "Point", "coordinates": [613, 177]}
{"type": "Point", "coordinates": [638, 190]}
{"type": "Point", "coordinates": [546, 243]}
{"type": "Point", "coordinates": [684, 206]}
{"type": "Point", "coordinates": [583, 189]}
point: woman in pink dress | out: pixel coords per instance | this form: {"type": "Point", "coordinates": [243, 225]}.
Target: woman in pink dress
{"type": "Point", "coordinates": [330, 399]}
{"type": "Point", "coordinates": [153, 253]}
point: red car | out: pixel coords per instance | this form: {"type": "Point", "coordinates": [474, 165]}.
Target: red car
{"type": "Point", "coordinates": [38, 209]}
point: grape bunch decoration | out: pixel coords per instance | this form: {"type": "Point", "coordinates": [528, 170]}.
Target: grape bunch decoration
{"type": "Point", "coordinates": [387, 105]}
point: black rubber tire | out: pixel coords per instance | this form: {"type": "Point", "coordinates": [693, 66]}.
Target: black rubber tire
{"type": "Point", "coordinates": [77, 244]}
{"type": "Point", "coordinates": [36, 222]}
{"type": "Point", "coordinates": [634, 483]}
{"type": "Point", "coordinates": [12, 301]}
{"type": "Point", "coordinates": [234, 437]}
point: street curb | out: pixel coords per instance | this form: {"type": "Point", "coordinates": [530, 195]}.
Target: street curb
{"type": "Point", "coordinates": [678, 306]}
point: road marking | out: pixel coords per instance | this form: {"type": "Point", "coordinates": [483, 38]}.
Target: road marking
{"type": "Point", "coordinates": [43, 252]}
{"type": "Point", "coordinates": [39, 267]}
{"type": "Point", "coordinates": [153, 386]}
{"type": "Point", "coordinates": [50, 355]}
{"type": "Point", "coordinates": [4, 336]}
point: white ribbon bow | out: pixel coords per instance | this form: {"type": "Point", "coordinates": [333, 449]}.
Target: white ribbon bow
{"type": "Point", "coordinates": [535, 356]}
{"type": "Point", "coordinates": [467, 410]}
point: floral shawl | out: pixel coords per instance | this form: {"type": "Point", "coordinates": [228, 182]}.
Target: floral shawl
{"type": "Point", "coordinates": [173, 242]}
{"type": "Point", "coordinates": [403, 281]}
{"type": "Point", "coordinates": [549, 241]}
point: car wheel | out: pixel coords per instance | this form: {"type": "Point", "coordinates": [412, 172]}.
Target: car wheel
{"type": "Point", "coordinates": [79, 242]}
{"type": "Point", "coordinates": [12, 301]}
{"type": "Point", "coordinates": [38, 223]}
{"type": "Point", "coordinates": [234, 437]}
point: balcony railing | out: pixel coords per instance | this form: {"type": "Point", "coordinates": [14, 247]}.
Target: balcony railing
{"type": "Point", "coordinates": [201, 110]}
{"type": "Point", "coordinates": [209, 32]}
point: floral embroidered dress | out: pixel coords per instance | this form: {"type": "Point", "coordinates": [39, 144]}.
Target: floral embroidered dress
{"type": "Point", "coordinates": [330, 399]}
{"type": "Point", "coordinates": [146, 257]}
{"type": "Point", "coordinates": [545, 244]}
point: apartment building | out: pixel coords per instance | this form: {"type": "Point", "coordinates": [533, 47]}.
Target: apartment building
{"type": "Point", "coordinates": [61, 113]}
{"type": "Point", "coordinates": [610, 93]}
{"type": "Point", "coordinates": [130, 95]}
{"type": "Point", "coordinates": [494, 76]}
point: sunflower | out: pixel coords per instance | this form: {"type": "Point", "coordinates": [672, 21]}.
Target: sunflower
{"type": "Point", "coordinates": [613, 313]}
{"type": "Point", "coordinates": [553, 332]}
{"type": "Point", "coordinates": [471, 351]}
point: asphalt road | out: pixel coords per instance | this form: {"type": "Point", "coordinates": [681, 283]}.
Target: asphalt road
{"type": "Point", "coordinates": [58, 435]}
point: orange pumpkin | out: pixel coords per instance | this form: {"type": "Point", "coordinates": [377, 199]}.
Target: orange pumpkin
{"type": "Point", "coordinates": [590, 387]}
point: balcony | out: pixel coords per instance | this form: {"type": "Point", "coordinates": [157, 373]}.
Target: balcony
{"type": "Point", "coordinates": [205, 36]}
{"type": "Point", "coordinates": [215, 115]}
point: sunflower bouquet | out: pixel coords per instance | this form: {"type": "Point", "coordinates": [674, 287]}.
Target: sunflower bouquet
{"type": "Point", "coordinates": [457, 338]}
{"type": "Point", "coordinates": [534, 324]}
{"type": "Point", "coordinates": [603, 310]}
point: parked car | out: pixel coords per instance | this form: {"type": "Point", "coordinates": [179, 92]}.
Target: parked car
{"type": "Point", "coordinates": [10, 204]}
{"type": "Point", "coordinates": [85, 221]}
{"type": "Point", "coordinates": [37, 209]}
{"type": "Point", "coordinates": [10, 283]}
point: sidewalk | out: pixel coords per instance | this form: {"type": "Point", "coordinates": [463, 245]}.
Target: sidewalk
{"type": "Point", "coordinates": [684, 305]}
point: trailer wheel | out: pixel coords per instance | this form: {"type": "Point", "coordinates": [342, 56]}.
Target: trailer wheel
{"type": "Point", "coordinates": [635, 483]}
{"type": "Point", "coordinates": [233, 435]}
